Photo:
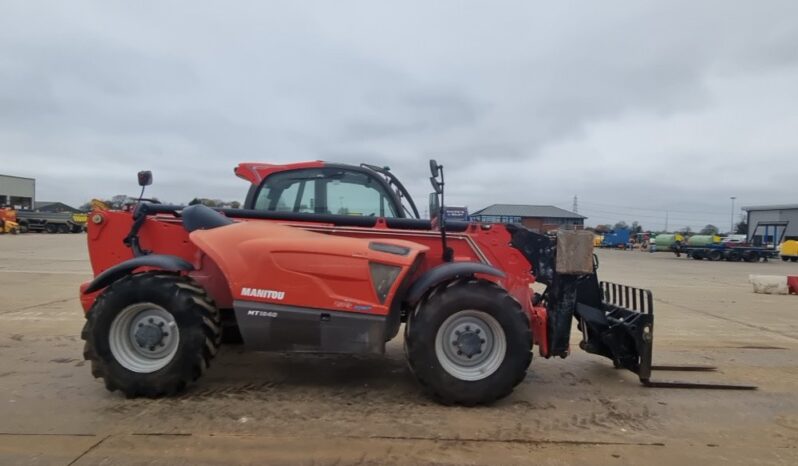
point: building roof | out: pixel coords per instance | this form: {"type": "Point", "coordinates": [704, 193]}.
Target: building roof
{"type": "Point", "coordinates": [17, 177]}
{"type": "Point", "coordinates": [50, 205]}
{"type": "Point", "coordinates": [771, 207]}
{"type": "Point", "coordinates": [519, 210]}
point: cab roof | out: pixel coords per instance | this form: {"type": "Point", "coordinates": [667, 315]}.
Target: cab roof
{"type": "Point", "coordinates": [255, 172]}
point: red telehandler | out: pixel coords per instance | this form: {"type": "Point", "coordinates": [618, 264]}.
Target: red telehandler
{"type": "Point", "coordinates": [334, 258]}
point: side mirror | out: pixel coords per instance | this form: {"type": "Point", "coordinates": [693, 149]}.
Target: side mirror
{"type": "Point", "coordinates": [434, 206]}
{"type": "Point", "coordinates": [434, 168]}
{"type": "Point", "coordinates": [145, 178]}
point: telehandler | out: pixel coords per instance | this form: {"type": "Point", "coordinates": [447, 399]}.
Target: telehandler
{"type": "Point", "coordinates": [335, 258]}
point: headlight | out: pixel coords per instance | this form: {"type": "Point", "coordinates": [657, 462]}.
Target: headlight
{"type": "Point", "coordinates": [382, 277]}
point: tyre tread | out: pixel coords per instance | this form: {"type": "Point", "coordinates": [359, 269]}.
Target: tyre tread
{"type": "Point", "coordinates": [438, 297]}
{"type": "Point", "coordinates": [192, 296]}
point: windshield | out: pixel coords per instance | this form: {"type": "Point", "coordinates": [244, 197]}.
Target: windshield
{"type": "Point", "coordinates": [326, 191]}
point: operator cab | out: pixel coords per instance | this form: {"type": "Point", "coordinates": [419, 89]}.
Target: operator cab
{"type": "Point", "coordinates": [340, 194]}
{"type": "Point", "coordinates": [332, 189]}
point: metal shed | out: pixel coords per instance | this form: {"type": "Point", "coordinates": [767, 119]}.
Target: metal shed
{"type": "Point", "coordinates": [18, 192]}
{"type": "Point", "coordinates": [773, 213]}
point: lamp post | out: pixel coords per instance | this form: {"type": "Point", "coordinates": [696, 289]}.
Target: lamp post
{"type": "Point", "coordinates": [731, 228]}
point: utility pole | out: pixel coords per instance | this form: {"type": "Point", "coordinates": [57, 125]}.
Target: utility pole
{"type": "Point", "coordinates": [731, 229]}
{"type": "Point", "coordinates": [666, 221]}
{"type": "Point", "coordinates": [576, 206]}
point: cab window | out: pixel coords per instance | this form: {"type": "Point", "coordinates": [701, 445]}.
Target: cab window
{"type": "Point", "coordinates": [325, 191]}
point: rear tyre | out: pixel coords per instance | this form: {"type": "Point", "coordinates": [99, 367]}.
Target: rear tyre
{"type": "Point", "coordinates": [732, 256]}
{"type": "Point", "coordinates": [785, 258]}
{"type": "Point", "coordinates": [51, 228]}
{"type": "Point", "coordinates": [750, 256]}
{"type": "Point", "coordinates": [793, 259]}
{"type": "Point", "coordinates": [469, 343]}
{"type": "Point", "coordinates": [151, 334]}
{"type": "Point", "coordinates": [63, 228]}
{"type": "Point", "coordinates": [714, 255]}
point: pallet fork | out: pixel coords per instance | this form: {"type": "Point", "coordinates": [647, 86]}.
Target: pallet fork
{"type": "Point", "coordinates": [617, 322]}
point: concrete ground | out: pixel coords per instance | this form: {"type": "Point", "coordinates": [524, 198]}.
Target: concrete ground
{"type": "Point", "coordinates": [292, 409]}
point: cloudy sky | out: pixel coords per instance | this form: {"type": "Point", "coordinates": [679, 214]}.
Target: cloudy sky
{"type": "Point", "coordinates": [635, 107]}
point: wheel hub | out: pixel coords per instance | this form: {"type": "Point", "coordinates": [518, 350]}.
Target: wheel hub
{"type": "Point", "coordinates": [470, 345]}
{"type": "Point", "coordinates": [469, 342]}
{"type": "Point", "coordinates": [144, 337]}
{"type": "Point", "coordinates": [151, 332]}
{"type": "Point", "coordinates": [149, 335]}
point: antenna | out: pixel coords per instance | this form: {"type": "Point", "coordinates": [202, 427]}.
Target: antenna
{"type": "Point", "coordinates": [575, 209]}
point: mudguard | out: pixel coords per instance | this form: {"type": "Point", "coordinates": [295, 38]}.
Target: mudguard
{"type": "Point", "coordinates": [444, 273]}
{"type": "Point", "coordinates": [157, 261]}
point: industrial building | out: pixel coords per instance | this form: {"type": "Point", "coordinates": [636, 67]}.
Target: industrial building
{"type": "Point", "coordinates": [787, 213]}
{"type": "Point", "coordinates": [538, 218]}
{"type": "Point", "coordinates": [17, 191]}
{"type": "Point", "coordinates": [54, 207]}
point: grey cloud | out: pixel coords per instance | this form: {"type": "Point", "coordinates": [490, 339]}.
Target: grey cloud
{"type": "Point", "coordinates": [521, 101]}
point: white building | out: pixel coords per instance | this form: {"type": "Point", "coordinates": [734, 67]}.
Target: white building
{"type": "Point", "coordinates": [17, 192]}
{"type": "Point", "coordinates": [773, 213]}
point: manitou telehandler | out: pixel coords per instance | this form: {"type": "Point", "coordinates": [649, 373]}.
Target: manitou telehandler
{"type": "Point", "coordinates": [334, 258]}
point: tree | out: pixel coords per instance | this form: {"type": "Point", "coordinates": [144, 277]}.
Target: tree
{"type": "Point", "coordinates": [636, 228]}
{"type": "Point", "coordinates": [709, 230]}
{"type": "Point", "coordinates": [620, 225]}
{"type": "Point", "coordinates": [742, 226]}
{"type": "Point", "coordinates": [603, 228]}
{"type": "Point", "coordinates": [206, 202]}
{"type": "Point", "coordinates": [117, 201]}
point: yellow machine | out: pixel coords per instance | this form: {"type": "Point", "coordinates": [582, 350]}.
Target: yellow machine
{"type": "Point", "coordinates": [97, 204]}
{"type": "Point", "coordinates": [789, 250]}
{"type": "Point", "coordinates": [597, 239]}
{"type": "Point", "coordinates": [8, 221]}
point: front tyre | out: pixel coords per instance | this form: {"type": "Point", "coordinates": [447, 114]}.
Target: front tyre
{"type": "Point", "coordinates": [151, 334]}
{"type": "Point", "coordinates": [469, 343]}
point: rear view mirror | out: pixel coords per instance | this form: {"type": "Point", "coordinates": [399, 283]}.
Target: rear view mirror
{"type": "Point", "coordinates": [434, 168]}
{"type": "Point", "coordinates": [145, 178]}
{"type": "Point", "coordinates": [434, 206]}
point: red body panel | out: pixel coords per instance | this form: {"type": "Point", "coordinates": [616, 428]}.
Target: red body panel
{"type": "Point", "coordinates": [294, 267]}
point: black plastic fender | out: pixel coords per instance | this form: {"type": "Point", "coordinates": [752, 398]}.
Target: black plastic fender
{"type": "Point", "coordinates": [444, 273]}
{"type": "Point", "coordinates": [159, 261]}
{"type": "Point", "coordinates": [200, 217]}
